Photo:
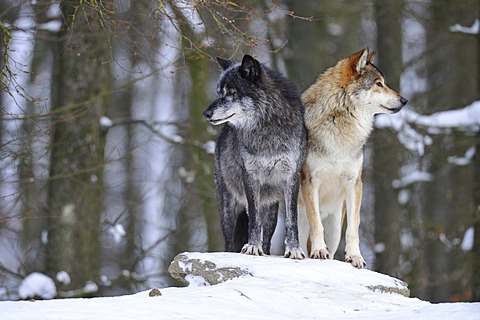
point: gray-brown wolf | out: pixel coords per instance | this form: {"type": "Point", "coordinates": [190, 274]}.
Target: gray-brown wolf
{"type": "Point", "coordinates": [339, 113]}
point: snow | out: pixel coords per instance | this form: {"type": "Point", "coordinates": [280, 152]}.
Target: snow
{"type": "Point", "coordinates": [379, 247]}
{"type": "Point", "coordinates": [209, 147]}
{"type": "Point", "coordinates": [403, 196]}
{"type": "Point", "coordinates": [406, 239]}
{"type": "Point", "coordinates": [37, 285]}
{"type": "Point", "coordinates": [468, 239]}
{"type": "Point", "coordinates": [410, 178]}
{"type": "Point", "coordinates": [276, 288]}
{"type": "Point", "coordinates": [467, 118]}
{"type": "Point", "coordinates": [118, 232]}
{"type": "Point", "coordinates": [63, 277]}
{"type": "Point", "coordinates": [52, 26]}
{"type": "Point", "coordinates": [189, 176]}
{"type": "Point", "coordinates": [105, 122]}
{"type": "Point", "coordinates": [463, 161]}
{"type": "Point", "coordinates": [474, 29]}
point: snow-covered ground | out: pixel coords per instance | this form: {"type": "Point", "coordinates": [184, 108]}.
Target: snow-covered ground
{"type": "Point", "coordinates": [276, 288]}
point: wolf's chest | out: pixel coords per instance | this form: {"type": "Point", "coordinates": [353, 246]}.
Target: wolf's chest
{"type": "Point", "coordinates": [340, 162]}
{"type": "Point", "coordinates": [269, 169]}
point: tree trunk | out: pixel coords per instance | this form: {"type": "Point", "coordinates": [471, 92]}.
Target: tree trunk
{"type": "Point", "coordinates": [81, 82]}
{"type": "Point", "coordinates": [315, 45]}
{"type": "Point", "coordinates": [476, 242]}
{"type": "Point", "coordinates": [199, 201]}
{"type": "Point", "coordinates": [476, 193]}
{"type": "Point", "coordinates": [203, 163]}
{"type": "Point", "coordinates": [31, 188]}
{"type": "Point", "coordinates": [386, 148]}
{"type": "Point", "coordinates": [447, 202]}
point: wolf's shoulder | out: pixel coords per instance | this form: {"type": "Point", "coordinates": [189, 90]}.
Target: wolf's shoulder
{"type": "Point", "coordinates": [281, 82]}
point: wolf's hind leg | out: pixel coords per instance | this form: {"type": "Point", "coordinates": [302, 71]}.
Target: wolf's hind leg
{"type": "Point", "coordinates": [310, 193]}
{"type": "Point", "coordinates": [292, 246]}
{"type": "Point", "coordinates": [241, 231]}
{"type": "Point", "coordinates": [333, 229]}
{"type": "Point", "coordinates": [269, 215]}
{"type": "Point", "coordinates": [230, 219]}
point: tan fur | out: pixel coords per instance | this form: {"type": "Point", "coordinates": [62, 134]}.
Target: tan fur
{"type": "Point", "coordinates": [339, 110]}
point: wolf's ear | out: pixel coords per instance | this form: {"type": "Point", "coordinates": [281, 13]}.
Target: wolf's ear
{"type": "Point", "coordinates": [361, 60]}
{"type": "Point", "coordinates": [357, 62]}
{"type": "Point", "coordinates": [250, 68]}
{"type": "Point", "coordinates": [371, 56]}
{"type": "Point", "coordinates": [225, 64]}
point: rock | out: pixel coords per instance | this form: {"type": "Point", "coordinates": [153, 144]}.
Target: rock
{"type": "Point", "coordinates": [154, 293]}
{"type": "Point", "coordinates": [401, 289]}
{"type": "Point", "coordinates": [187, 270]}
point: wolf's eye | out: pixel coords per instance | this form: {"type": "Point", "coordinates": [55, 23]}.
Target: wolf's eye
{"type": "Point", "coordinates": [380, 84]}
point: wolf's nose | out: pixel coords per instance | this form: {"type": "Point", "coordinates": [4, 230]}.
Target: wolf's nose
{"type": "Point", "coordinates": [208, 113]}
{"type": "Point", "coordinates": [403, 101]}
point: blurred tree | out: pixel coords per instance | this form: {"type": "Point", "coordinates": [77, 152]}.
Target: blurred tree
{"type": "Point", "coordinates": [195, 168]}
{"type": "Point", "coordinates": [330, 31]}
{"type": "Point", "coordinates": [476, 241]}
{"type": "Point", "coordinates": [80, 88]}
{"type": "Point", "coordinates": [447, 204]}
{"type": "Point", "coordinates": [135, 44]}
{"type": "Point", "coordinates": [33, 194]}
{"type": "Point", "coordinates": [387, 150]}
{"type": "Point", "coordinates": [476, 189]}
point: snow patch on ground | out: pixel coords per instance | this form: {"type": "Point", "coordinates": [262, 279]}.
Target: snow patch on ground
{"type": "Point", "coordinates": [37, 285]}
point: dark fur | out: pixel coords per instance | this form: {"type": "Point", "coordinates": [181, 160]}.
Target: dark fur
{"type": "Point", "coordinates": [258, 155]}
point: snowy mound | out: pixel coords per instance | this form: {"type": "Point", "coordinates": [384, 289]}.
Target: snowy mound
{"type": "Point", "coordinates": [250, 287]}
{"type": "Point", "coordinates": [199, 269]}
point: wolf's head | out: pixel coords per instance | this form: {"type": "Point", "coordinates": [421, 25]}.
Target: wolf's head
{"type": "Point", "coordinates": [236, 91]}
{"type": "Point", "coordinates": [366, 85]}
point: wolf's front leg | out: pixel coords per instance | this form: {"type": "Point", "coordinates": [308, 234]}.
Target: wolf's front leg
{"type": "Point", "coordinates": [352, 241]}
{"type": "Point", "coordinates": [292, 246]}
{"type": "Point", "coordinates": [254, 245]}
{"type": "Point", "coordinates": [255, 234]}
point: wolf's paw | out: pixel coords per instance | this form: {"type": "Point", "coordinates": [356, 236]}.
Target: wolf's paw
{"type": "Point", "coordinates": [320, 254]}
{"type": "Point", "coordinates": [295, 253]}
{"type": "Point", "coordinates": [252, 250]}
{"type": "Point", "coordinates": [356, 261]}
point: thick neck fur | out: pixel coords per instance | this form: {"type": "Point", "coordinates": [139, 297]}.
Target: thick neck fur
{"type": "Point", "coordinates": [270, 130]}
{"type": "Point", "coordinates": [278, 117]}
{"type": "Point", "coordinates": [330, 112]}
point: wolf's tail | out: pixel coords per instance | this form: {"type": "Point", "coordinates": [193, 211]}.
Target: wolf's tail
{"type": "Point", "coordinates": [241, 231]}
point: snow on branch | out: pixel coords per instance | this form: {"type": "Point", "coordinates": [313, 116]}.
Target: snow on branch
{"type": "Point", "coordinates": [474, 29]}
{"type": "Point", "coordinates": [466, 119]}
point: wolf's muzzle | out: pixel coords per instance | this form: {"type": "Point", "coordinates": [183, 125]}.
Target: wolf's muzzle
{"type": "Point", "coordinates": [403, 101]}
{"type": "Point", "coordinates": [208, 113]}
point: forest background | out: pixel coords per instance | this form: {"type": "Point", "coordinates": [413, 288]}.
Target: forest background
{"type": "Point", "coordinates": [106, 161]}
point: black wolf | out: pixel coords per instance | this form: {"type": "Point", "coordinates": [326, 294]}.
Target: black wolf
{"type": "Point", "coordinates": [258, 155]}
